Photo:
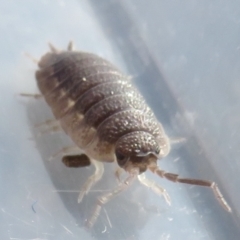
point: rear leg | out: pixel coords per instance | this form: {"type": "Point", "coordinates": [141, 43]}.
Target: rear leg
{"type": "Point", "coordinates": [35, 96]}
{"type": "Point", "coordinates": [34, 60]}
{"type": "Point", "coordinates": [56, 50]}
{"type": "Point", "coordinates": [47, 123]}
{"type": "Point", "coordinates": [70, 46]}
{"type": "Point", "coordinates": [50, 125]}
{"type": "Point", "coordinates": [175, 178]}
{"type": "Point", "coordinates": [53, 48]}
{"type": "Point", "coordinates": [52, 129]}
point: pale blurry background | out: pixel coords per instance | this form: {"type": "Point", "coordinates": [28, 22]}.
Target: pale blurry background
{"type": "Point", "coordinates": [184, 57]}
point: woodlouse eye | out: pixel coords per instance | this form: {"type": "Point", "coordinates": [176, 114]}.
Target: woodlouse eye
{"type": "Point", "coordinates": [120, 156]}
{"type": "Point", "coordinates": [121, 159]}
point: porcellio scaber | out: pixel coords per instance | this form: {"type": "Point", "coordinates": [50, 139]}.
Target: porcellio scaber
{"type": "Point", "coordinates": [108, 120]}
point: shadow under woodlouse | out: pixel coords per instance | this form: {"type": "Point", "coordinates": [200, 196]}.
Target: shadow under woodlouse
{"type": "Point", "coordinates": [110, 223]}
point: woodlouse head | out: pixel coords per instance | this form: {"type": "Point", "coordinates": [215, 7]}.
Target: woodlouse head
{"type": "Point", "coordinates": [137, 150]}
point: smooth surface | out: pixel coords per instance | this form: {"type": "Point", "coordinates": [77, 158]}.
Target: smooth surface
{"type": "Point", "coordinates": [184, 58]}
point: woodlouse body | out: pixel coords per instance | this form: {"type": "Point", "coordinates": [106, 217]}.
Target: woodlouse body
{"type": "Point", "coordinates": [108, 119]}
{"type": "Point", "coordinates": [99, 108]}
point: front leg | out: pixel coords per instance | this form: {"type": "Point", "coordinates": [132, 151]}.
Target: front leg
{"type": "Point", "coordinates": [83, 161]}
{"type": "Point", "coordinates": [92, 180]}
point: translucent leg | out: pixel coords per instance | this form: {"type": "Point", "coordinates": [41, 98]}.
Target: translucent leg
{"type": "Point", "coordinates": [52, 129]}
{"type": "Point", "coordinates": [118, 173]}
{"type": "Point", "coordinates": [36, 96]}
{"type": "Point", "coordinates": [66, 151]}
{"type": "Point", "coordinates": [177, 140]}
{"type": "Point", "coordinates": [51, 125]}
{"type": "Point", "coordinates": [53, 48]}
{"type": "Point", "coordinates": [175, 178]}
{"type": "Point", "coordinates": [47, 123]}
{"type": "Point", "coordinates": [36, 61]}
{"type": "Point", "coordinates": [154, 187]}
{"type": "Point", "coordinates": [99, 169]}
{"type": "Point", "coordinates": [109, 196]}
{"type": "Point", "coordinates": [70, 46]}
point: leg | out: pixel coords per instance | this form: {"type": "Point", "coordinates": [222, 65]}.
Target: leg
{"type": "Point", "coordinates": [118, 173]}
{"type": "Point", "coordinates": [55, 50]}
{"type": "Point", "coordinates": [52, 48]}
{"type": "Point", "coordinates": [52, 129]}
{"type": "Point", "coordinates": [47, 123]}
{"type": "Point", "coordinates": [175, 178]}
{"type": "Point", "coordinates": [36, 96]}
{"type": "Point", "coordinates": [70, 46]}
{"type": "Point", "coordinates": [154, 187]}
{"type": "Point", "coordinates": [76, 161]}
{"type": "Point", "coordinates": [36, 61]}
{"type": "Point", "coordinates": [99, 169]}
{"type": "Point", "coordinates": [66, 150]}
{"type": "Point", "coordinates": [107, 197]}
{"type": "Point", "coordinates": [52, 126]}
{"type": "Point", "coordinates": [177, 140]}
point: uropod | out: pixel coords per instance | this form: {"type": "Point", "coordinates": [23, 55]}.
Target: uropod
{"type": "Point", "coordinates": [108, 120]}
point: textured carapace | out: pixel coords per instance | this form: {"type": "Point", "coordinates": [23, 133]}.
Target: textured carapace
{"type": "Point", "coordinates": [108, 119]}
{"type": "Point", "coordinates": [100, 110]}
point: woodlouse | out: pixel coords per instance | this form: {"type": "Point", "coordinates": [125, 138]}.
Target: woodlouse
{"type": "Point", "coordinates": [108, 120]}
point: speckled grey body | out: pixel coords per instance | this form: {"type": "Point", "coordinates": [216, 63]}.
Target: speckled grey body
{"type": "Point", "coordinates": [97, 105]}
